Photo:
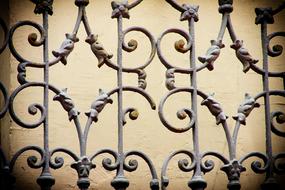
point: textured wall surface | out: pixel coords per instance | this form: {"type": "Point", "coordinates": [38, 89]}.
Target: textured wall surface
{"type": "Point", "coordinates": [83, 79]}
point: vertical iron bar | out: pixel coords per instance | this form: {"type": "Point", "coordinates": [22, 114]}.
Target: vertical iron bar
{"type": "Point", "coordinates": [81, 137]}
{"type": "Point", "coordinates": [193, 80]}
{"type": "Point", "coordinates": [270, 182]}
{"type": "Point", "coordinates": [266, 89]}
{"type": "Point", "coordinates": [120, 182]}
{"type": "Point", "coordinates": [46, 95]}
{"type": "Point", "coordinates": [120, 94]}
{"type": "Point", "coordinates": [223, 26]}
{"type": "Point", "coordinates": [46, 180]}
{"type": "Point", "coordinates": [197, 182]}
{"type": "Point", "coordinates": [234, 141]}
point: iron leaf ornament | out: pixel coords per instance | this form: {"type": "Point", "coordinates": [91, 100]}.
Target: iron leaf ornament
{"type": "Point", "coordinates": [243, 55]}
{"type": "Point", "coordinates": [67, 104]}
{"type": "Point", "coordinates": [215, 109]}
{"type": "Point", "coordinates": [98, 50]}
{"type": "Point", "coordinates": [245, 108]}
{"type": "Point", "coordinates": [64, 50]}
{"type": "Point", "coordinates": [98, 105]}
{"type": "Point", "coordinates": [212, 54]}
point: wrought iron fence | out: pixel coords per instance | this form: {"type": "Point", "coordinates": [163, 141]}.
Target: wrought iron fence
{"type": "Point", "coordinates": [83, 163]}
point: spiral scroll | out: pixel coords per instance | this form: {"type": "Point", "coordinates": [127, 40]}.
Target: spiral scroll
{"type": "Point", "coordinates": [279, 167]}
{"type": "Point", "coordinates": [133, 114]}
{"type": "Point", "coordinates": [32, 38]}
{"type": "Point", "coordinates": [133, 164]}
{"type": "Point", "coordinates": [277, 115]}
{"type": "Point", "coordinates": [31, 160]}
{"type": "Point", "coordinates": [132, 46]}
{"type": "Point", "coordinates": [107, 162]}
{"type": "Point", "coordinates": [59, 161]}
{"type": "Point", "coordinates": [256, 166]}
{"type": "Point", "coordinates": [208, 165]}
{"type": "Point", "coordinates": [183, 164]}
{"type": "Point", "coordinates": [181, 114]}
{"type": "Point", "coordinates": [32, 109]}
{"type": "Point", "coordinates": [276, 50]}
{"type": "Point", "coordinates": [180, 46]}
{"type": "Point", "coordinates": [280, 119]}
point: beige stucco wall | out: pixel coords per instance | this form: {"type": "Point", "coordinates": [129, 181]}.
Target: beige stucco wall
{"type": "Point", "coordinates": [83, 79]}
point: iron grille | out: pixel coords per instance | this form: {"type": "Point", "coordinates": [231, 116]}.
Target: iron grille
{"type": "Point", "coordinates": [83, 163]}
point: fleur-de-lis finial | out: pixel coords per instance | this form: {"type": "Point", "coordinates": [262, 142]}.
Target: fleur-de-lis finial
{"type": "Point", "coordinates": [120, 8]}
{"type": "Point", "coordinates": [233, 171]}
{"type": "Point", "coordinates": [191, 11]}
{"type": "Point", "coordinates": [264, 15]}
{"type": "Point", "coordinates": [83, 167]}
{"type": "Point", "coordinates": [42, 6]}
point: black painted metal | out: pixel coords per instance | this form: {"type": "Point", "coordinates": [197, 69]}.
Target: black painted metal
{"type": "Point", "coordinates": [83, 163]}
